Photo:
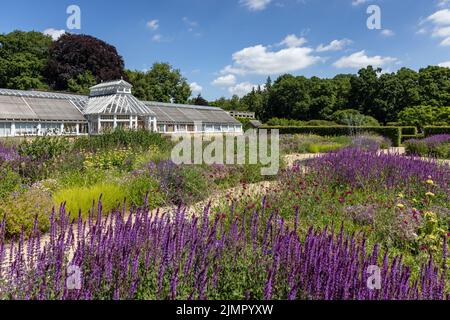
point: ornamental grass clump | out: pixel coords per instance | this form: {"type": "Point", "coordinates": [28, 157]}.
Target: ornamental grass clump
{"type": "Point", "coordinates": [251, 255]}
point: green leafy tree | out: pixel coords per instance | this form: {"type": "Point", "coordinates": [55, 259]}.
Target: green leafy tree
{"type": "Point", "coordinates": [161, 83]}
{"type": "Point", "coordinates": [82, 83]}
{"type": "Point", "coordinates": [23, 57]}
{"type": "Point", "coordinates": [422, 116]}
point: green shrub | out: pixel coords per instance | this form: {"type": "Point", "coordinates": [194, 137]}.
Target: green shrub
{"type": "Point", "coordinates": [122, 139]}
{"type": "Point", "coordinates": [105, 160]}
{"type": "Point", "coordinates": [21, 210]}
{"type": "Point", "coordinates": [393, 133]}
{"type": "Point", "coordinates": [83, 198]}
{"type": "Point", "coordinates": [137, 187]}
{"type": "Point", "coordinates": [10, 181]}
{"type": "Point", "coordinates": [432, 131]}
{"type": "Point", "coordinates": [44, 148]}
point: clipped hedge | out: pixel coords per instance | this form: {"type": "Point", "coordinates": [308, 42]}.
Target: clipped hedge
{"type": "Point", "coordinates": [432, 131]}
{"type": "Point", "coordinates": [409, 131]}
{"type": "Point", "coordinates": [393, 133]}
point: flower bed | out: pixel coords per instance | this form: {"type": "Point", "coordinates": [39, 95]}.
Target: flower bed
{"type": "Point", "coordinates": [249, 255]}
{"type": "Point", "coordinates": [437, 146]}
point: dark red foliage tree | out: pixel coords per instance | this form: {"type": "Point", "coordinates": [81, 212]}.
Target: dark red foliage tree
{"type": "Point", "coordinates": [73, 55]}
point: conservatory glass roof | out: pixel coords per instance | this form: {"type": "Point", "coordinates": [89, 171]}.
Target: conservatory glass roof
{"type": "Point", "coordinates": [38, 109]}
{"type": "Point", "coordinates": [116, 104]}
{"type": "Point", "coordinates": [106, 98]}
{"type": "Point", "coordinates": [168, 113]}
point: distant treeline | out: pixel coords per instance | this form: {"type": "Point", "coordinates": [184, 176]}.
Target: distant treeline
{"type": "Point", "coordinates": [76, 62]}
{"type": "Point", "coordinates": [382, 96]}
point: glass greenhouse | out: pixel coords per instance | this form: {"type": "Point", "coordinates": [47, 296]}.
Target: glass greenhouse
{"type": "Point", "coordinates": [110, 105]}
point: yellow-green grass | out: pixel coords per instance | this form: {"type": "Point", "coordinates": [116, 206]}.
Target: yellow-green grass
{"type": "Point", "coordinates": [82, 198]}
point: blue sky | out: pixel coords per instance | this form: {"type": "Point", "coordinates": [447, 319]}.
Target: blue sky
{"type": "Point", "coordinates": [225, 47]}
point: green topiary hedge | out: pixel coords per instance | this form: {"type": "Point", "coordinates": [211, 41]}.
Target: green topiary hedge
{"type": "Point", "coordinates": [432, 131]}
{"type": "Point", "coordinates": [393, 133]}
{"type": "Point", "coordinates": [409, 131]}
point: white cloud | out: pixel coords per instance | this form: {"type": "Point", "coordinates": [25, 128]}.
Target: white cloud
{"type": "Point", "coordinates": [189, 22]}
{"type": "Point", "coordinates": [335, 45]}
{"type": "Point", "coordinates": [259, 60]}
{"type": "Point", "coordinates": [195, 87]}
{"type": "Point", "coordinates": [443, 32]}
{"type": "Point", "coordinates": [241, 89]}
{"type": "Point", "coordinates": [157, 38]}
{"type": "Point", "coordinates": [225, 81]}
{"type": "Point", "coordinates": [387, 33]}
{"type": "Point", "coordinates": [361, 60]}
{"type": "Point", "coordinates": [255, 5]}
{"type": "Point", "coordinates": [444, 64]}
{"type": "Point", "coordinates": [55, 34]}
{"type": "Point", "coordinates": [445, 42]}
{"type": "Point", "coordinates": [153, 24]}
{"type": "Point", "coordinates": [441, 21]}
{"type": "Point", "coordinates": [441, 17]}
{"type": "Point", "coordinates": [292, 41]}
{"type": "Point", "coordinates": [443, 3]}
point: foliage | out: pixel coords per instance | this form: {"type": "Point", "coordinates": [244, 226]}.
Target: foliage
{"type": "Point", "coordinates": [258, 256]}
{"type": "Point", "coordinates": [422, 116]}
{"type": "Point", "coordinates": [10, 181]}
{"type": "Point", "coordinates": [434, 146]}
{"type": "Point", "coordinates": [302, 143]}
{"type": "Point", "coordinates": [121, 159]}
{"type": "Point", "coordinates": [392, 133]}
{"type": "Point", "coordinates": [353, 118]}
{"type": "Point", "coordinates": [141, 188]}
{"type": "Point", "coordinates": [73, 55]}
{"type": "Point", "coordinates": [285, 122]}
{"type": "Point", "coordinates": [381, 96]}
{"type": "Point", "coordinates": [180, 184]}
{"type": "Point", "coordinates": [20, 210]}
{"type": "Point", "coordinates": [122, 139]}
{"type": "Point", "coordinates": [199, 101]}
{"type": "Point", "coordinates": [82, 83]}
{"type": "Point", "coordinates": [23, 57]}
{"type": "Point", "coordinates": [161, 83]}
{"type": "Point", "coordinates": [431, 131]}
{"type": "Point", "coordinates": [44, 148]}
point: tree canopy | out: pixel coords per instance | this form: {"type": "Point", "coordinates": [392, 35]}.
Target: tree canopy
{"type": "Point", "coordinates": [73, 55]}
{"type": "Point", "coordinates": [161, 83]}
{"type": "Point", "coordinates": [370, 92]}
{"type": "Point", "coordinates": [23, 57]}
